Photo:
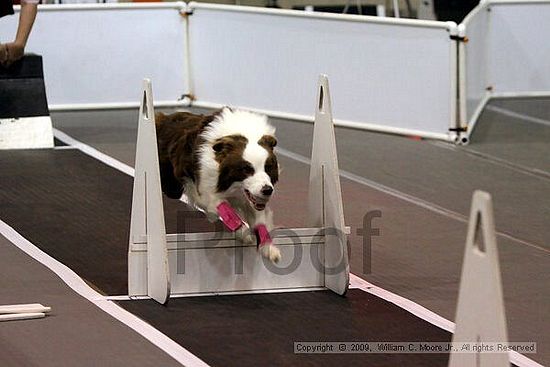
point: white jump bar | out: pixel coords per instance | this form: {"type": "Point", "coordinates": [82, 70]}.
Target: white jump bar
{"type": "Point", "coordinates": [25, 308]}
{"type": "Point", "coordinates": [22, 316]}
{"type": "Point", "coordinates": [210, 236]}
{"type": "Point", "coordinates": [23, 311]}
{"type": "Point", "coordinates": [187, 241]}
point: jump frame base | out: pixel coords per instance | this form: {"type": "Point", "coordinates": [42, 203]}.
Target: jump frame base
{"type": "Point", "coordinates": [198, 264]}
{"type": "Point", "coordinates": [236, 268]}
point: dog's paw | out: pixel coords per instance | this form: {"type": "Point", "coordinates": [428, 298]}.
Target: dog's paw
{"type": "Point", "coordinates": [212, 217]}
{"type": "Point", "coordinates": [271, 252]}
{"type": "Point", "coordinates": [245, 236]}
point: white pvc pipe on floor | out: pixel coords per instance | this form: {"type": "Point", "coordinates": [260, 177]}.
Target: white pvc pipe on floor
{"type": "Point", "coordinates": [22, 316]}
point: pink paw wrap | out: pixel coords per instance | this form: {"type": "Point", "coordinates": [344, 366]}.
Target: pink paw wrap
{"type": "Point", "coordinates": [263, 235]}
{"type": "Point", "coordinates": [229, 216]}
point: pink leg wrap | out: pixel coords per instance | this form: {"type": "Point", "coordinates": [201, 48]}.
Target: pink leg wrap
{"type": "Point", "coordinates": [263, 235]}
{"type": "Point", "coordinates": [229, 216]}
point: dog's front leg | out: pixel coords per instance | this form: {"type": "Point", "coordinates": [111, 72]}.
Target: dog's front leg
{"type": "Point", "coordinates": [219, 208]}
{"type": "Point", "coordinates": [262, 224]}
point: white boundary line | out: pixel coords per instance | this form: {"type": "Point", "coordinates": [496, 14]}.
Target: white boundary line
{"type": "Point", "coordinates": [76, 283]}
{"type": "Point", "coordinates": [355, 282]}
{"type": "Point", "coordinates": [404, 303]}
{"type": "Point", "coordinates": [92, 152]}
{"type": "Point", "coordinates": [521, 116]}
{"type": "Point", "coordinates": [533, 172]}
{"type": "Point", "coordinates": [64, 147]}
{"type": "Point", "coordinates": [426, 315]}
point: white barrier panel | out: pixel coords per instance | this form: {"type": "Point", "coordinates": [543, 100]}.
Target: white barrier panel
{"type": "Point", "coordinates": [474, 62]}
{"type": "Point", "coordinates": [506, 54]}
{"type": "Point", "coordinates": [519, 47]}
{"type": "Point", "coordinates": [94, 54]}
{"type": "Point", "coordinates": [390, 75]}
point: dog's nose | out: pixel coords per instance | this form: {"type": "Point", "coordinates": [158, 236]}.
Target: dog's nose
{"type": "Point", "coordinates": [267, 190]}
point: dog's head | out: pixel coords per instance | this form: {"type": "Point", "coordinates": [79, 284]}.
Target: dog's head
{"type": "Point", "coordinates": [248, 165]}
{"type": "Point", "coordinates": [243, 144]}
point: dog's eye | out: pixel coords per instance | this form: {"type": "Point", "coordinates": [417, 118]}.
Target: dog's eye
{"type": "Point", "coordinates": [248, 169]}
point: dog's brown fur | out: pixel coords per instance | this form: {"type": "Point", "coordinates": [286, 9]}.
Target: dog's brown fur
{"type": "Point", "coordinates": [229, 154]}
{"type": "Point", "coordinates": [271, 166]}
{"type": "Point", "coordinates": [177, 139]}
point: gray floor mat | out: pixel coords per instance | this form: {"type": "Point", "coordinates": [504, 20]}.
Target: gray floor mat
{"type": "Point", "coordinates": [260, 330]}
{"type": "Point", "coordinates": [76, 333]}
{"type": "Point", "coordinates": [532, 106]}
{"type": "Point", "coordinates": [505, 132]}
{"type": "Point", "coordinates": [446, 177]}
{"type": "Point", "coordinates": [77, 209]}
{"type": "Point", "coordinates": [419, 253]}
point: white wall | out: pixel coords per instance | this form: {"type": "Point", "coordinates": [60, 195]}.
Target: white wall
{"type": "Point", "coordinates": [520, 46]}
{"type": "Point", "coordinates": [394, 75]}
{"type": "Point", "coordinates": [100, 53]}
{"type": "Point", "coordinates": [507, 53]}
{"type": "Point", "coordinates": [385, 74]}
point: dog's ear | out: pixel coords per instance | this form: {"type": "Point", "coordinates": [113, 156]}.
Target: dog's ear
{"type": "Point", "coordinates": [268, 141]}
{"type": "Point", "coordinates": [229, 143]}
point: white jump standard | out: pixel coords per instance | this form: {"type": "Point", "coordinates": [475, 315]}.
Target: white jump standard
{"type": "Point", "coordinates": [192, 264]}
{"type": "Point", "coordinates": [480, 315]}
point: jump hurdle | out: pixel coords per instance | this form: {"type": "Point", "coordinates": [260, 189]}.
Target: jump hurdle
{"type": "Point", "coordinates": [313, 258]}
{"type": "Point", "coordinates": [480, 316]}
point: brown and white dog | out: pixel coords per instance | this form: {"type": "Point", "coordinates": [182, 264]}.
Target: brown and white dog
{"type": "Point", "coordinates": [226, 165]}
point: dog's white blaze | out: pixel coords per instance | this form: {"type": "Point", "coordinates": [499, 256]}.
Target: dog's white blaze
{"type": "Point", "coordinates": [232, 122]}
{"type": "Point", "coordinates": [256, 155]}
